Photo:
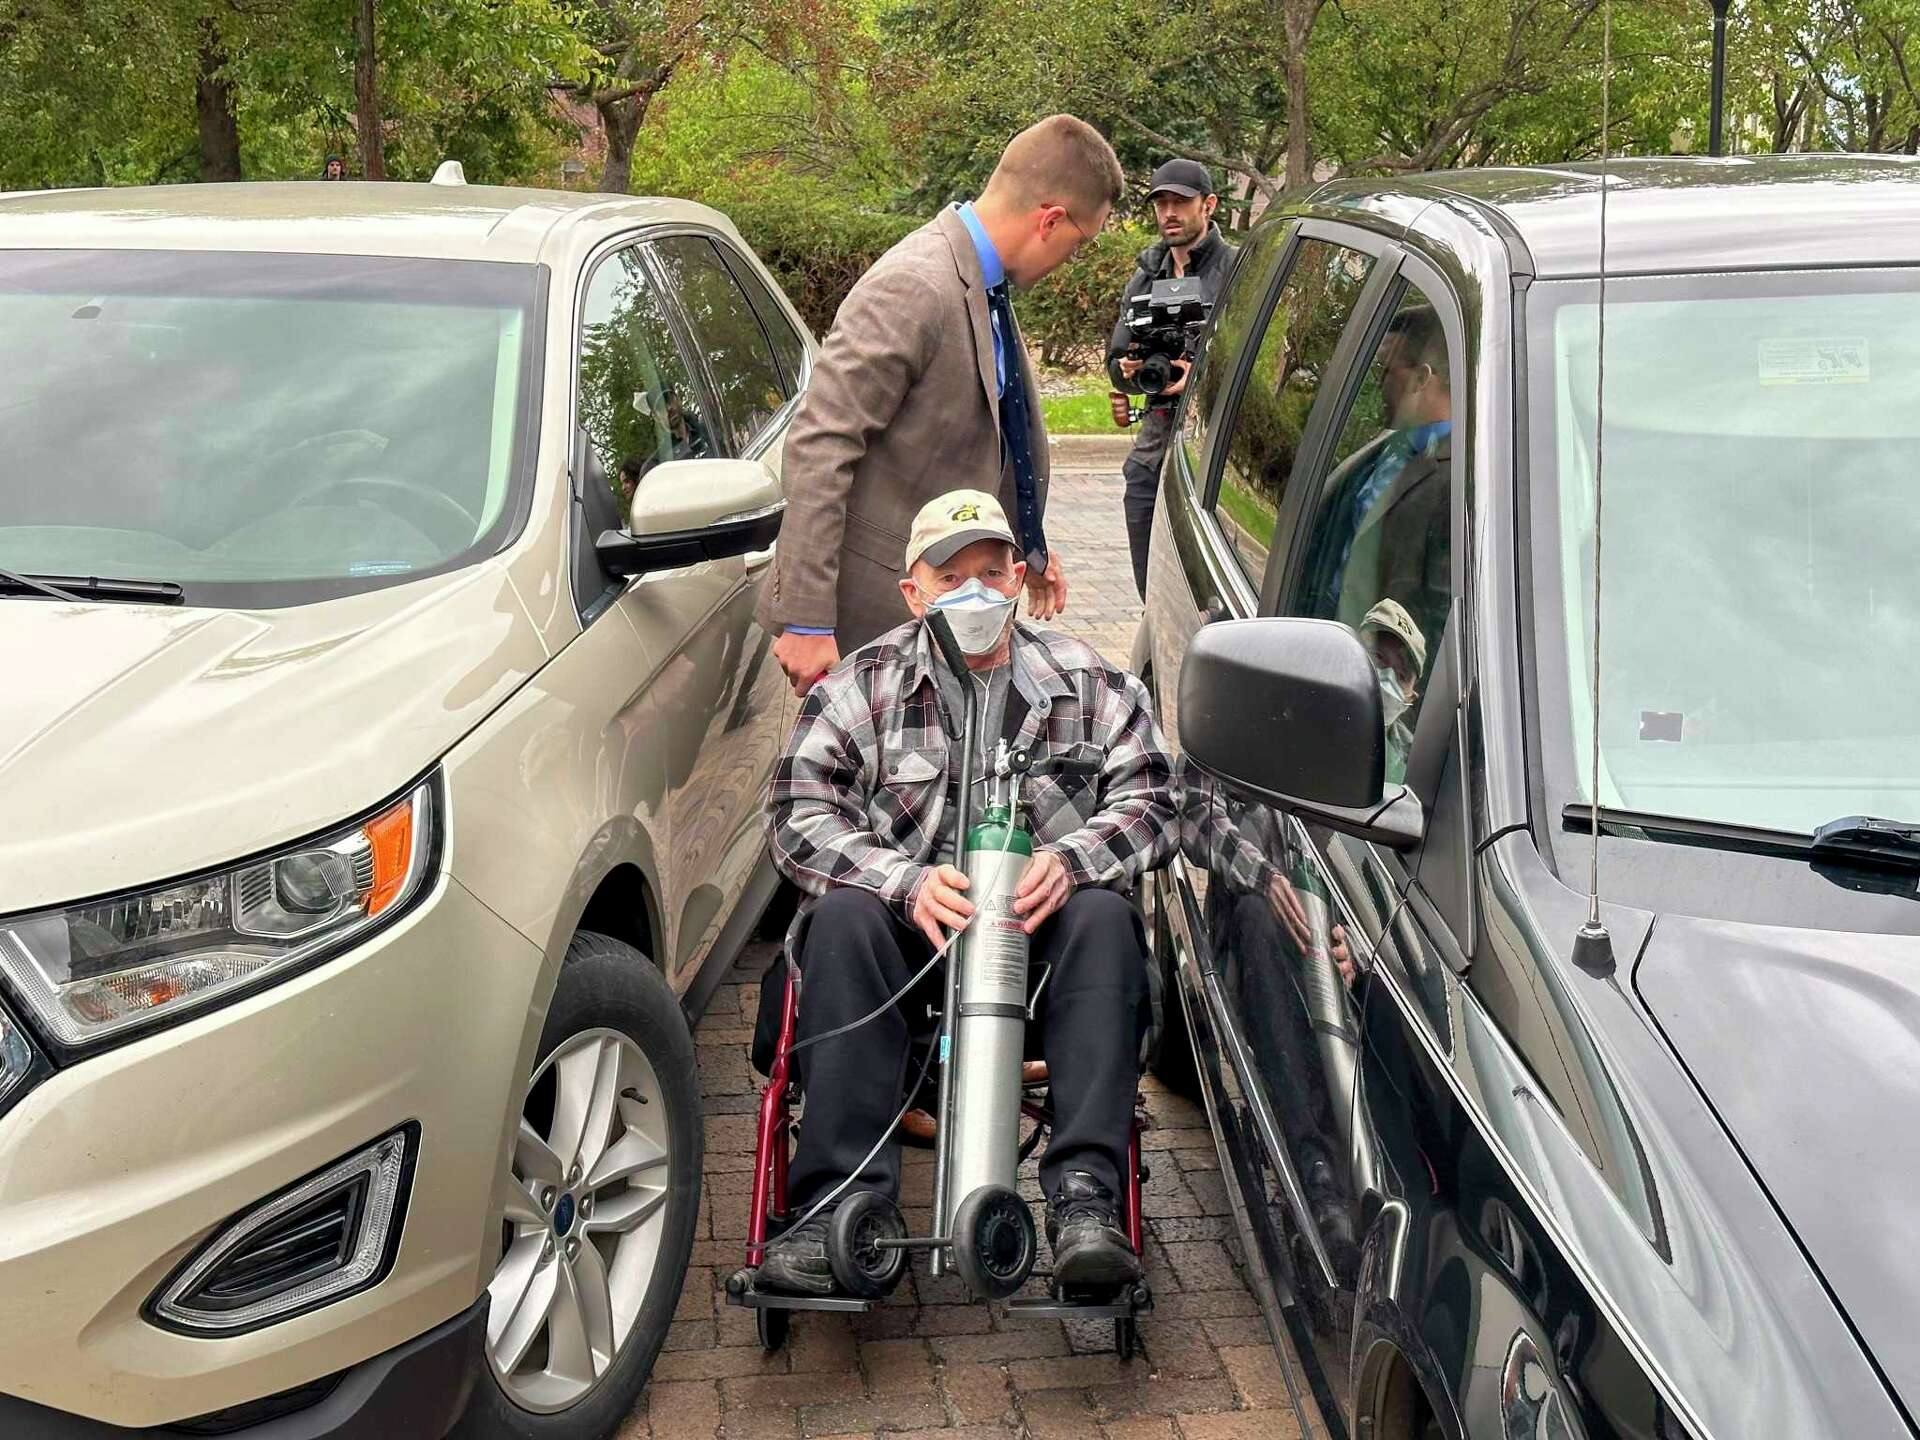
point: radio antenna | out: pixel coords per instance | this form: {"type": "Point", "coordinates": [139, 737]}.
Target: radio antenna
{"type": "Point", "coordinates": [1593, 946]}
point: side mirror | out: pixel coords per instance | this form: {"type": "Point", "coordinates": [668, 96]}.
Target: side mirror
{"type": "Point", "coordinates": [687, 511]}
{"type": "Point", "coordinates": [1288, 711]}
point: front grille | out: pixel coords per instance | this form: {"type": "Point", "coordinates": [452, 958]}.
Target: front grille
{"type": "Point", "coordinates": [299, 1246]}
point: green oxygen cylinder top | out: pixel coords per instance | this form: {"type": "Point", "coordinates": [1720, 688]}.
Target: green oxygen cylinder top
{"type": "Point", "coordinates": [996, 831]}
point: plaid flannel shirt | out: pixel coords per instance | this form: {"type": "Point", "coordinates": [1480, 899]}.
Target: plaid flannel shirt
{"type": "Point", "coordinates": [860, 793]}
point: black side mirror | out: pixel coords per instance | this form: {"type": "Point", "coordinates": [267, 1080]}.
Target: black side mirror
{"type": "Point", "coordinates": [1288, 711]}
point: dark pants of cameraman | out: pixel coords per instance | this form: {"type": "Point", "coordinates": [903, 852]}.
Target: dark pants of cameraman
{"type": "Point", "coordinates": [1091, 1019]}
{"type": "Point", "coordinates": [1142, 472]}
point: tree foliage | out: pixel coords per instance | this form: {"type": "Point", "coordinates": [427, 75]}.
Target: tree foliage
{"type": "Point", "coordinates": [827, 128]}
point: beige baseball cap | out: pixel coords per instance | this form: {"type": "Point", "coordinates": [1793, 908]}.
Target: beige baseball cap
{"type": "Point", "coordinates": [948, 524]}
{"type": "Point", "coordinates": [1392, 617]}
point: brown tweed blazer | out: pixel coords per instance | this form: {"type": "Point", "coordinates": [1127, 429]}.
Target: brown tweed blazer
{"type": "Point", "coordinates": [903, 406]}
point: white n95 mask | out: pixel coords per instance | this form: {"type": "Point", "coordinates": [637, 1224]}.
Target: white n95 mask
{"type": "Point", "coordinates": [1393, 700]}
{"type": "Point", "coordinates": [977, 614]}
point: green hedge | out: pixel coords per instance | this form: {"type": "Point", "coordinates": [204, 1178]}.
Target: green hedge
{"type": "Point", "coordinates": [817, 252]}
{"type": "Point", "coordinates": [1068, 317]}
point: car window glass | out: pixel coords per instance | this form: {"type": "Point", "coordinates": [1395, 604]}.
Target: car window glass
{"type": "Point", "coordinates": [788, 346]}
{"type": "Point", "coordinates": [738, 355]}
{"type": "Point", "coordinates": [638, 404]}
{"type": "Point", "coordinates": [1295, 353]}
{"type": "Point", "coordinates": [1379, 543]}
{"type": "Point", "coordinates": [1234, 317]}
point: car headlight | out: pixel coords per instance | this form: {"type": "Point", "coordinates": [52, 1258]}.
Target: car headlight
{"type": "Point", "coordinates": [94, 970]}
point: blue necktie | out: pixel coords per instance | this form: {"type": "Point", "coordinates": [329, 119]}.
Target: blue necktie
{"type": "Point", "coordinates": [1015, 431]}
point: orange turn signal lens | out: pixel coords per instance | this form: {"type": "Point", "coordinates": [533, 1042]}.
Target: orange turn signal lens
{"type": "Point", "coordinates": [391, 836]}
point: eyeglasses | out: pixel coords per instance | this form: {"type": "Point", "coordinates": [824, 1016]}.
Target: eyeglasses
{"type": "Point", "coordinates": [1085, 238]}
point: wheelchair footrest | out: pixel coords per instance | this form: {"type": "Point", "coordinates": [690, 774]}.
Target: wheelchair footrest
{"type": "Point", "coordinates": [741, 1291]}
{"type": "Point", "coordinates": [767, 1300]}
{"type": "Point", "coordinates": [1137, 1300]}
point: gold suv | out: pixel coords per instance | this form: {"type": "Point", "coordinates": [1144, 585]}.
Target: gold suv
{"type": "Point", "coordinates": [382, 734]}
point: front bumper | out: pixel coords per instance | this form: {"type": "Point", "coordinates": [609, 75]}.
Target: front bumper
{"type": "Point", "coordinates": [417, 1390]}
{"type": "Point", "coordinates": [114, 1169]}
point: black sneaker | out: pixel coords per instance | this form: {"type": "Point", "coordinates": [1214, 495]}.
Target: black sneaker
{"type": "Point", "coordinates": [1090, 1251]}
{"type": "Point", "coordinates": [796, 1263]}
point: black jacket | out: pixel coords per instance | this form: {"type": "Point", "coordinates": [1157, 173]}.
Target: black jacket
{"type": "Point", "coordinates": [1210, 260]}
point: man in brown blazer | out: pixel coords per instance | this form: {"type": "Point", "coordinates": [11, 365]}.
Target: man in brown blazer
{"type": "Point", "coordinates": [920, 389]}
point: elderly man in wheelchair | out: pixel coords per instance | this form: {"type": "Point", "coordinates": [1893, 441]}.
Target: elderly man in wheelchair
{"type": "Point", "coordinates": [862, 819]}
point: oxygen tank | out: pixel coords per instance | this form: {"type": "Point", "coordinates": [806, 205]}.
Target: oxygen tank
{"type": "Point", "coordinates": [990, 1031]}
{"type": "Point", "coordinates": [1330, 1012]}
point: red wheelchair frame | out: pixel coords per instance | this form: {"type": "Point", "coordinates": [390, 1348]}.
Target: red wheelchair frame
{"type": "Point", "coordinates": [770, 1161]}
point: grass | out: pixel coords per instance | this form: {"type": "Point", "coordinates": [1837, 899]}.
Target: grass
{"type": "Point", "coordinates": [1248, 513]}
{"type": "Point", "coordinates": [1084, 413]}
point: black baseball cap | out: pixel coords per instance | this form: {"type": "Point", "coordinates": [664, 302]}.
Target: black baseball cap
{"type": "Point", "coordinates": [1181, 177]}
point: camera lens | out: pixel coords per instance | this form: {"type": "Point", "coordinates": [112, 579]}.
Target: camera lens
{"type": "Point", "coordinates": [1155, 374]}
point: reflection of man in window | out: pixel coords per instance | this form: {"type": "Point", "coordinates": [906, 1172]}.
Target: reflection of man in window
{"type": "Point", "coordinates": [1385, 531]}
{"type": "Point", "coordinates": [631, 469]}
{"type": "Point", "coordinates": [689, 439]}
{"type": "Point", "coordinates": [1399, 654]}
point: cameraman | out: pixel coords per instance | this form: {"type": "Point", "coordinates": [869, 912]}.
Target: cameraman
{"type": "Point", "coordinates": [1183, 203]}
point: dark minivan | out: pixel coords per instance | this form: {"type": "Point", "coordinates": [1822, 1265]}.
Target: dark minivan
{"type": "Point", "coordinates": [1493, 1179]}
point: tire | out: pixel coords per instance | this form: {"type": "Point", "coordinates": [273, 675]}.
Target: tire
{"type": "Point", "coordinates": [860, 1267]}
{"type": "Point", "coordinates": [614, 1029]}
{"type": "Point", "coordinates": [770, 1327]}
{"type": "Point", "coordinates": [1170, 1055]}
{"type": "Point", "coordinates": [994, 1244]}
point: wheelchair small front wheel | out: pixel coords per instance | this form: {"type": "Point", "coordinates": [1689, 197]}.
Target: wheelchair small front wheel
{"type": "Point", "coordinates": [770, 1327]}
{"type": "Point", "coordinates": [994, 1245]}
{"type": "Point", "coordinates": [863, 1266]}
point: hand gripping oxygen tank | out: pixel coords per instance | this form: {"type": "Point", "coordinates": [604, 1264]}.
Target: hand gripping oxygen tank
{"type": "Point", "coordinates": [990, 1031]}
{"type": "Point", "coordinates": [1330, 1011]}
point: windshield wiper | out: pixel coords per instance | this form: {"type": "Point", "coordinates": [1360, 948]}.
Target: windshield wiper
{"type": "Point", "coordinates": [1851, 840]}
{"type": "Point", "coordinates": [91, 587]}
{"type": "Point", "coordinates": [1869, 840]}
{"type": "Point", "coordinates": [1714, 833]}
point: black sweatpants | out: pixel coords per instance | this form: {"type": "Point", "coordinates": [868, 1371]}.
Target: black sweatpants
{"type": "Point", "coordinates": [1092, 1017]}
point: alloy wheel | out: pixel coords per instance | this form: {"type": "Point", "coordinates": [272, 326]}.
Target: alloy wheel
{"type": "Point", "coordinates": [583, 1203]}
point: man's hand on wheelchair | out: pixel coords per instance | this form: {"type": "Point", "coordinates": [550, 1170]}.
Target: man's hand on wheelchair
{"type": "Point", "coordinates": [939, 902]}
{"type": "Point", "coordinates": [1044, 887]}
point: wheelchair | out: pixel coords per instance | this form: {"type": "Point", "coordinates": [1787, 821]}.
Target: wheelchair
{"type": "Point", "coordinates": [992, 1249]}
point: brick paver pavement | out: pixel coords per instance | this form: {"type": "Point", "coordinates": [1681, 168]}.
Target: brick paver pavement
{"type": "Point", "coordinates": [927, 1361]}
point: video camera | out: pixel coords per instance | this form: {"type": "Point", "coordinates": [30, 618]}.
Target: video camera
{"type": "Point", "coordinates": [1164, 322]}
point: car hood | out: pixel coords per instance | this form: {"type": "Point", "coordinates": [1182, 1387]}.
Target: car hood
{"type": "Point", "coordinates": [1807, 1043]}
{"type": "Point", "coordinates": [139, 743]}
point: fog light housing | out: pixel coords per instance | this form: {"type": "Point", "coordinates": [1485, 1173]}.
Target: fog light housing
{"type": "Point", "coordinates": [326, 1237]}
{"type": "Point", "coordinates": [17, 1060]}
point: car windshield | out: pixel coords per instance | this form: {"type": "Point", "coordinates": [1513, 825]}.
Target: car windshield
{"type": "Point", "coordinates": [263, 429]}
{"type": "Point", "coordinates": [1760, 611]}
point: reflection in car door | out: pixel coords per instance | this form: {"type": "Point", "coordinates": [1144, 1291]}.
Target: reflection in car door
{"type": "Point", "coordinates": [1272, 932]}
{"type": "Point", "coordinates": [720, 682]}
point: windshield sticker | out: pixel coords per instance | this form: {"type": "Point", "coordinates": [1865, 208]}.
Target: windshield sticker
{"type": "Point", "coordinates": [379, 567]}
{"type": "Point", "coordinates": [1823, 360]}
{"type": "Point", "coordinates": [1662, 725]}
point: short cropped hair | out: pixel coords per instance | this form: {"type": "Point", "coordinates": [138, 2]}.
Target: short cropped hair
{"type": "Point", "coordinates": [1421, 337]}
{"type": "Point", "coordinates": [1061, 160]}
